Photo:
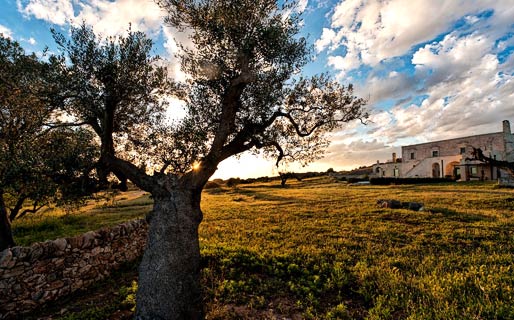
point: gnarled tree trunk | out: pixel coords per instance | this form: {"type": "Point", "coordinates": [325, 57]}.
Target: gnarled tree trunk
{"type": "Point", "coordinates": [6, 238]}
{"type": "Point", "coordinates": [169, 274]}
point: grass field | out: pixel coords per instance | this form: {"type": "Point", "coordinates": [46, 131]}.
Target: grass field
{"type": "Point", "coordinates": [324, 250]}
{"type": "Point", "coordinates": [54, 223]}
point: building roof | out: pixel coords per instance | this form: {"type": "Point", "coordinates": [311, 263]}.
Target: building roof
{"type": "Point", "coordinates": [447, 140]}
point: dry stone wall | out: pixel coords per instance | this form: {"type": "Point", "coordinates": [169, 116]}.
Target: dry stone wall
{"type": "Point", "coordinates": [45, 271]}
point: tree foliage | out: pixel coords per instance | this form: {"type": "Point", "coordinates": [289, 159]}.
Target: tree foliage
{"type": "Point", "coordinates": [114, 86]}
{"type": "Point", "coordinates": [245, 93]}
{"type": "Point", "coordinates": [39, 163]}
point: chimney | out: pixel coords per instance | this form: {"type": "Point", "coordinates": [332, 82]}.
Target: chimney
{"type": "Point", "coordinates": [394, 157]}
{"type": "Point", "coordinates": [506, 127]}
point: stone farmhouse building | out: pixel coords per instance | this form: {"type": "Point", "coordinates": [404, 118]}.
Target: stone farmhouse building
{"type": "Point", "coordinates": [451, 158]}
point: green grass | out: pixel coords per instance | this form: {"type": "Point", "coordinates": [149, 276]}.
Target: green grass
{"type": "Point", "coordinates": [324, 250]}
{"type": "Point", "coordinates": [54, 223]}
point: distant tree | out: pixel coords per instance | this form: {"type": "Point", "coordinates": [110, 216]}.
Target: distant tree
{"type": "Point", "coordinates": [243, 93]}
{"type": "Point", "coordinates": [233, 182]}
{"type": "Point", "coordinates": [284, 176]}
{"type": "Point", "coordinates": [39, 163]}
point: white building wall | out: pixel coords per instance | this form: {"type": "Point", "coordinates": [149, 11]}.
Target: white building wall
{"type": "Point", "coordinates": [451, 157]}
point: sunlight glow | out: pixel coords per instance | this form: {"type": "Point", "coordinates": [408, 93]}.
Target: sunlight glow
{"type": "Point", "coordinates": [196, 166]}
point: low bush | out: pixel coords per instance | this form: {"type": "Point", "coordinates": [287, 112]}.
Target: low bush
{"type": "Point", "coordinates": [354, 180]}
{"type": "Point", "coordinates": [212, 185]}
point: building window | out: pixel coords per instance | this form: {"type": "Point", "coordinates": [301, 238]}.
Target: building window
{"type": "Point", "coordinates": [412, 156]}
{"type": "Point", "coordinates": [462, 150]}
{"type": "Point", "coordinates": [396, 172]}
{"type": "Point", "coordinates": [435, 153]}
{"type": "Point", "coordinates": [474, 170]}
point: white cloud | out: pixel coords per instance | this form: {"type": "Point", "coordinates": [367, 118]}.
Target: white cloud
{"type": "Point", "coordinates": [58, 12]}
{"type": "Point", "coordinates": [468, 92]}
{"type": "Point", "coordinates": [460, 67]}
{"type": "Point", "coordinates": [452, 53]}
{"type": "Point", "coordinates": [172, 38]}
{"type": "Point", "coordinates": [343, 63]}
{"type": "Point", "coordinates": [395, 86]}
{"type": "Point", "coordinates": [30, 40]}
{"type": "Point", "coordinates": [113, 18]}
{"type": "Point", "coordinates": [347, 156]}
{"type": "Point", "coordinates": [6, 32]}
{"type": "Point", "coordinates": [107, 17]}
{"type": "Point", "coordinates": [472, 19]}
{"type": "Point", "coordinates": [302, 5]}
{"type": "Point", "coordinates": [327, 37]}
{"type": "Point", "coordinates": [322, 3]}
{"type": "Point", "coordinates": [375, 30]}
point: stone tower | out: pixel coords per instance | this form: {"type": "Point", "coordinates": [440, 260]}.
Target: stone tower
{"type": "Point", "coordinates": [506, 127]}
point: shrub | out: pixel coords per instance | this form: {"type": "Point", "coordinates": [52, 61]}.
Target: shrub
{"type": "Point", "coordinates": [212, 185]}
{"type": "Point", "coordinates": [233, 182]}
{"type": "Point", "coordinates": [354, 180]}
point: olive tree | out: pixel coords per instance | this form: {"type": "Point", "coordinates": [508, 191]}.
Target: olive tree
{"type": "Point", "coordinates": [40, 161]}
{"type": "Point", "coordinates": [243, 93]}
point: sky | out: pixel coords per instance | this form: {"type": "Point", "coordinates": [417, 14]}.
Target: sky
{"type": "Point", "coordinates": [430, 69]}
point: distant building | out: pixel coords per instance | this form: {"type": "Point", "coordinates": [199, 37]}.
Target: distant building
{"type": "Point", "coordinates": [451, 158]}
{"type": "Point", "coordinates": [390, 168]}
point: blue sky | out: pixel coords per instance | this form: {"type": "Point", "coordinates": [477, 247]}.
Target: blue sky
{"type": "Point", "coordinates": [431, 69]}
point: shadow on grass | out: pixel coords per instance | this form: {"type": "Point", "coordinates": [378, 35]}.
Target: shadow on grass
{"type": "Point", "coordinates": [438, 214]}
{"type": "Point", "coordinates": [453, 215]}
{"type": "Point", "coordinates": [499, 203]}
{"type": "Point", "coordinates": [263, 196]}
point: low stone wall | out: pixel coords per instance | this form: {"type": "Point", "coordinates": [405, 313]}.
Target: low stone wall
{"type": "Point", "coordinates": [45, 271]}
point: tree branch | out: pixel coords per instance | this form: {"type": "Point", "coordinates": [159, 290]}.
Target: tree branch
{"type": "Point", "coordinates": [230, 105]}
{"type": "Point", "coordinates": [281, 153]}
{"type": "Point", "coordinates": [130, 171]}
{"type": "Point", "coordinates": [65, 124]}
{"type": "Point", "coordinates": [15, 210]}
{"type": "Point", "coordinates": [34, 209]}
